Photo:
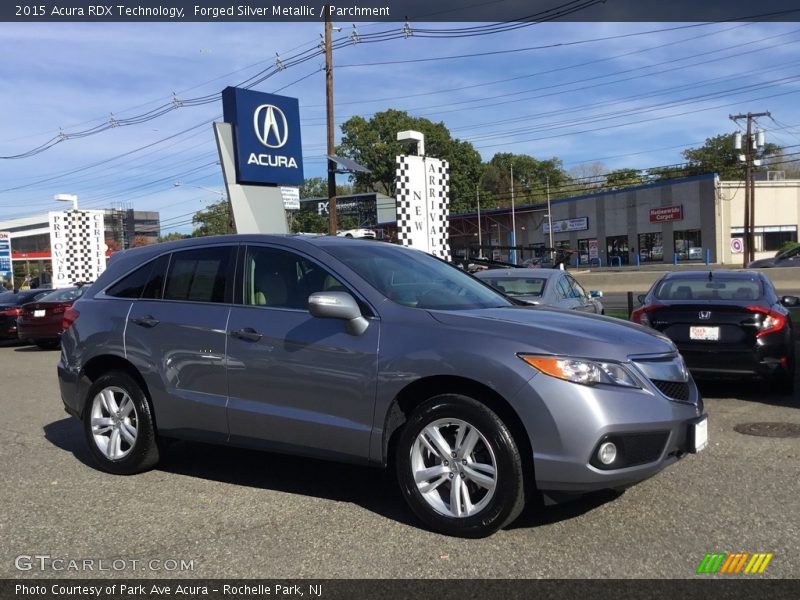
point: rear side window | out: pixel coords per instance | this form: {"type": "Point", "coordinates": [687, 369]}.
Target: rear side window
{"type": "Point", "coordinates": [202, 275]}
{"type": "Point", "coordinates": [146, 281]}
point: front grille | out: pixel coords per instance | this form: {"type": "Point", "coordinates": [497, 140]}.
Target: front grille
{"type": "Point", "coordinates": [677, 390]}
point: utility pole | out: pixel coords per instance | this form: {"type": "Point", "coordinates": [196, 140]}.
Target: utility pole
{"type": "Point", "coordinates": [549, 214]}
{"type": "Point", "coordinates": [750, 147]}
{"type": "Point", "coordinates": [480, 240]}
{"type": "Point", "coordinates": [333, 225]}
{"type": "Point", "coordinates": [513, 220]}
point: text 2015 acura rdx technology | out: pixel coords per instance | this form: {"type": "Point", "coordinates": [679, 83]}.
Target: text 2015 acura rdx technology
{"type": "Point", "coordinates": [371, 353]}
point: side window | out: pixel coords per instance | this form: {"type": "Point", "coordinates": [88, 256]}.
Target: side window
{"type": "Point", "coordinates": [202, 275]}
{"type": "Point", "coordinates": [131, 285]}
{"type": "Point", "coordinates": [282, 279]}
{"type": "Point", "coordinates": [563, 288]}
{"type": "Point", "coordinates": [577, 290]}
{"type": "Point", "coordinates": [155, 283]}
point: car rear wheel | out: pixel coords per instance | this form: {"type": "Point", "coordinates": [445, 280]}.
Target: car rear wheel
{"type": "Point", "coordinates": [118, 425]}
{"type": "Point", "coordinates": [459, 467]}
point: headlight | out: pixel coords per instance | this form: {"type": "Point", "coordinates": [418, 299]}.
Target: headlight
{"type": "Point", "coordinates": [581, 370]}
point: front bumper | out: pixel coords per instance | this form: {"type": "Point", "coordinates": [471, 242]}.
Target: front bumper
{"type": "Point", "coordinates": [566, 423]}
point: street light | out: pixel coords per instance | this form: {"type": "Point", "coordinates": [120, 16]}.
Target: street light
{"type": "Point", "coordinates": [200, 187]}
{"type": "Point", "coordinates": [68, 198]}
{"type": "Point", "coordinates": [222, 195]}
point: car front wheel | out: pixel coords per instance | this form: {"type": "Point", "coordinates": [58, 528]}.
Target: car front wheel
{"type": "Point", "coordinates": [459, 467]}
{"type": "Point", "coordinates": [118, 425]}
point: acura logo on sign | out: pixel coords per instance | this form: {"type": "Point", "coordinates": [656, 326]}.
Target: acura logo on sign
{"type": "Point", "coordinates": [270, 125]}
{"type": "Point", "coordinates": [704, 314]}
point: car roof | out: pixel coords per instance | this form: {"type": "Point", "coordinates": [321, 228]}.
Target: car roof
{"type": "Point", "coordinates": [712, 275]}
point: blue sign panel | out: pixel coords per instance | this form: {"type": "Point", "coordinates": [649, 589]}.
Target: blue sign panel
{"type": "Point", "coordinates": [266, 135]}
{"type": "Point", "coordinates": [5, 253]}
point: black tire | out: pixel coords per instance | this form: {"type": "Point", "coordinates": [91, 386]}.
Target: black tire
{"type": "Point", "coordinates": [496, 444]}
{"type": "Point", "coordinates": [126, 457]}
{"type": "Point", "coordinates": [47, 344]}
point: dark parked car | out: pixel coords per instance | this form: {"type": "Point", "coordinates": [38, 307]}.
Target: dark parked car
{"type": "Point", "coordinates": [787, 258]}
{"type": "Point", "coordinates": [10, 307]}
{"type": "Point", "coordinates": [41, 321]}
{"type": "Point", "coordinates": [547, 287]}
{"type": "Point", "coordinates": [725, 324]}
{"type": "Point", "coordinates": [371, 353]}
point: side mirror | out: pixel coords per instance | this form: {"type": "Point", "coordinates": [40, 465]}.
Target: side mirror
{"type": "Point", "coordinates": [595, 294]}
{"type": "Point", "coordinates": [790, 301]}
{"type": "Point", "coordinates": [338, 305]}
{"type": "Point", "coordinates": [641, 298]}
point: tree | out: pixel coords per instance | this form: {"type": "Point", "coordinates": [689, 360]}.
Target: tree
{"type": "Point", "coordinates": [317, 187]}
{"type": "Point", "coordinates": [718, 155]}
{"type": "Point", "coordinates": [532, 178]}
{"type": "Point", "coordinates": [373, 144]}
{"type": "Point", "coordinates": [621, 178]}
{"type": "Point", "coordinates": [172, 237]}
{"type": "Point", "coordinates": [113, 245]}
{"type": "Point", "coordinates": [211, 221]}
{"type": "Point", "coordinates": [140, 240]}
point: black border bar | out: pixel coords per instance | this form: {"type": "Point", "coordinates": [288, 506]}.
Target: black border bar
{"type": "Point", "coordinates": [398, 11]}
{"type": "Point", "coordinates": [701, 587]}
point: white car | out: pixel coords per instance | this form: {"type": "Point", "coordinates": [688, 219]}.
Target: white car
{"type": "Point", "coordinates": [357, 233]}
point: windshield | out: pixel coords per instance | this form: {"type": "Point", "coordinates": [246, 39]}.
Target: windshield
{"type": "Point", "coordinates": [414, 278]}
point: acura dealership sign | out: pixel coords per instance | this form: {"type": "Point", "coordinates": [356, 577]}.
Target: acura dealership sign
{"type": "Point", "coordinates": [266, 133]}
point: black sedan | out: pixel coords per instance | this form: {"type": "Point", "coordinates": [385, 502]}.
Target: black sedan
{"type": "Point", "coordinates": [725, 323]}
{"type": "Point", "coordinates": [10, 308]}
{"type": "Point", "coordinates": [787, 258]}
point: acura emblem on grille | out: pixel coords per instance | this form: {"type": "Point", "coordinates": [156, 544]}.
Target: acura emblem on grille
{"type": "Point", "coordinates": [704, 314]}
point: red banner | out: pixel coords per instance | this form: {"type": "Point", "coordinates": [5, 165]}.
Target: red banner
{"type": "Point", "coordinates": [666, 213]}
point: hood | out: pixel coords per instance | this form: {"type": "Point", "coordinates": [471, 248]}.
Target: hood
{"type": "Point", "coordinates": [554, 331]}
{"type": "Point", "coordinates": [761, 263]}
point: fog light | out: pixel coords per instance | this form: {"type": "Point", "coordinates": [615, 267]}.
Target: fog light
{"type": "Point", "coordinates": [607, 453]}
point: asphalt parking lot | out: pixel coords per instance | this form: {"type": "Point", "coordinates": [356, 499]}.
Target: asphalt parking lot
{"type": "Point", "coordinates": [236, 513]}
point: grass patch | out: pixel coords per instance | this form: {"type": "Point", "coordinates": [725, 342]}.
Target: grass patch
{"type": "Point", "coordinates": [618, 314]}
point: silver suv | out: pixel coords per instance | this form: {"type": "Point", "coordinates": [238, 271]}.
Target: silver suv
{"type": "Point", "coordinates": [371, 353]}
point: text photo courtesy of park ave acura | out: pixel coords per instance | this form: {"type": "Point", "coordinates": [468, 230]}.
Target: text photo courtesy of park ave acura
{"type": "Point", "coordinates": [350, 299]}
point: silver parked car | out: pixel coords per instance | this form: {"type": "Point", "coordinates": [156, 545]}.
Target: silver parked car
{"type": "Point", "coordinates": [372, 354]}
{"type": "Point", "coordinates": [551, 287]}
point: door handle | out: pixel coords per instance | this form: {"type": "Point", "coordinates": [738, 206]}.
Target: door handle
{"type": "Point", "coordinates": [248, 334]}
{"type": "Point", "coordinates": [146, 321]}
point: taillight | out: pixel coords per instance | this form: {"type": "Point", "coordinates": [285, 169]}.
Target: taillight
{"type": "Point", "coordinates": [772, 321]}
{"type": "Point", "coordinates": [70, 316]}
{"type": "Point", "coordinates": [11, 312]}
{"type": "Point", "coordinates": [640, 314]}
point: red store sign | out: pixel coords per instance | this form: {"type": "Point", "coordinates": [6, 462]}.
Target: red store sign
{"type": "Point", "coordinates": [666, 213]}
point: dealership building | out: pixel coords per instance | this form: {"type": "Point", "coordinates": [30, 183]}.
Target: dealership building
{"type": "Point", "coordinates": [30, 238]}
{"type": "Point", "coordinates": [690, 219]}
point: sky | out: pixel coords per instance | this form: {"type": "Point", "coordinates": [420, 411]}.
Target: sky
{"type": "Point", "coordinates": [621, 94]}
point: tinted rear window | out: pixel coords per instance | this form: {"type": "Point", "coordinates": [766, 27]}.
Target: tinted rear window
{"type": "Point", "coordinates": [66, 295]}
{"type": "Point", "coordinates": [199, 275]}
{"type": "Point", "coordinates": [704, 290]}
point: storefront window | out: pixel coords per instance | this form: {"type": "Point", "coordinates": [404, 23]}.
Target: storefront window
{"type": "Point", "coordinates": [651, 247]}
{"type": "Point", "coordinates": [688, 245]}
{"type": "Point", "coordinates": [617, 246]}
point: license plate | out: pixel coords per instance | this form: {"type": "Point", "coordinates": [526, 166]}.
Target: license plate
{"type": "Point", "coordinates": [704, 333]}
{"type": "Point", "coordinates": [699, 435]}
{"type": "Point", "coordinates": [38, 313]}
